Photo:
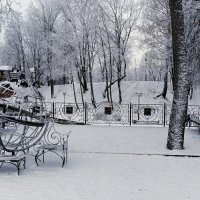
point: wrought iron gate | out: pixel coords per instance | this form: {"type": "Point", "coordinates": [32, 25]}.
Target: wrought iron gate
{"type": "Point", "coordinates": [148, 114]}
{"type": "Point", "coordinates": [107, 113]}
{"type": "Point", "coordinates": [115, 113]}
{"type": "Point", "coordinates": [193, 110]}
{"type": "Point", "coordinates": [68, 111]}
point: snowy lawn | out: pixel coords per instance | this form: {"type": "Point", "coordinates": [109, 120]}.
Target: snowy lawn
{"type": "Point", "coordinates": [110, 163]}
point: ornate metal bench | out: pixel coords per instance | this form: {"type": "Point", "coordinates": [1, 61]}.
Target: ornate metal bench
{"type": "Point", "coordinates": [18, 133]}
{"type": "Point", "coordinates": [53, 142]}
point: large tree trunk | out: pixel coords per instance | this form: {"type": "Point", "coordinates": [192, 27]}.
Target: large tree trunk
{"type": "Point", "coordinates": [181, 78]}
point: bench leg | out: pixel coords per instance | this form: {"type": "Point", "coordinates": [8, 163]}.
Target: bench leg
{"type": "Point", "coordinates": [36, 158]}
{"type": "Point", "coordinates": [24, 163]}
{"type": "Point", "coordinates": [43, 155]}
{"type": "Point", "coordinates": [18, 167]}
{"type": "Point", "coordinates": [63, 163]}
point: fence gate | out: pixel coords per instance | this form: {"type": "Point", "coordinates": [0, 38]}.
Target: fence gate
{"type": "Point", "coordinates": [148, 114]}
{"type": "Point", "coordinates": [68, 111]}
{"type": "Point", "coordinates": [115, 113]}
{"type": "Point", "coordinates": [193, 110]}
{"type": "Point", "coordinates": [108, 113]}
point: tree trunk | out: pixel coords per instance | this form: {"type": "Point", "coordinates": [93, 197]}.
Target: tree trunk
{"type": "Point", "coordinates": [84, 78]}
{"type": "Point", "coordinates": [119, 90]}
{"type": "Point", "coordinates": [81, 88]}
{"type": "Point", "coordinates": [164, 92]}
{"type": "Point", "coordinates": [181, 78]}
{"type": "Point", "coordinates": [107, 90]}
{"type": "Point", "coordinates": [74, 91]}
{"type": "Point", "coordinates": [52, 88]}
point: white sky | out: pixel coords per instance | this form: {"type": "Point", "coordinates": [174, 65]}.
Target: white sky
{"type": "Point", "coordinates": [21, 8]}
{"type": "Point", "coordinates": [23, 5]}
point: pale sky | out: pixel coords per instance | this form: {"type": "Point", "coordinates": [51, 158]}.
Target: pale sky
{"type": "Point", "coordinates": [21, 8]}
{"type": "Point", "coordinates": [23, 5]}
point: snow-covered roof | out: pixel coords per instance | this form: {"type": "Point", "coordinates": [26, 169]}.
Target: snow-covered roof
{"type": "Point", "coordinates": [5, 68]}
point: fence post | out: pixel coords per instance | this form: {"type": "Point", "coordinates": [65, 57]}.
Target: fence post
{"type": "Point", "coordinates": [164, 115]}
{"type": "Point", "coordinates": [53, 108]}
{"type": "Point", "coordinates": [130, 114]}
{"type": "Point", "coordinates": [85, 107]}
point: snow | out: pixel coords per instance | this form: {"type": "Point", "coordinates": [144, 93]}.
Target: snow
{"type": "Point", "coordinates": [5, 68]}
{"type": "Point", "coordinates": [110, 163]}
{"type": "Point", "coordinates": [129, 90]}
{"type": "Point", "coordinates": [149, 90]}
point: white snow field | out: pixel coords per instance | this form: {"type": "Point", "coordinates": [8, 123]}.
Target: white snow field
{"type": "Point", "coordinates": [110, 163]}
{"type": "Point", "coordinates": [149, 90]}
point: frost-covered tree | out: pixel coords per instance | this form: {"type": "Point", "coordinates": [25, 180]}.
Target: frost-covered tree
{"type": "Point", "coordinates": [5, 8]}
{"type": "Point", "coordinates": [34, 41]}
{"type": "Point", "coordinates": [152, 66]}
{"type": "Point", "coordinates": [120, 18]}
{"type": "Point", "coordinates": [14, 41]}
{"type": "Point", "coordinates": [192, 16]}
{"type": "Point", "coordinates": [181, 78]}
{"type": "Point", "coordinates": [47, 12]}
{"type": "Point", "coordinates": [156, 28]}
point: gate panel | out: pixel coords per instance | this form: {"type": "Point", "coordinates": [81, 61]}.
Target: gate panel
{"type": "Point", "coordinates": [107, 113]}
{"type": "Point", "coordinates": [193, 110]}
{"type": "Point", "coordinates": [69, 111]}
{"type": "Point", "coordinates": [148, 114]}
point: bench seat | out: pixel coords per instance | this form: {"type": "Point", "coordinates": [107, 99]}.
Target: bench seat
{"type": "Point", "coordinates": [15, 160]}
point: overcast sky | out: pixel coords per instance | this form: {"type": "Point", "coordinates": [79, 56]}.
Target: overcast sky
{"type": "Point", "coordinates": [23, 5]}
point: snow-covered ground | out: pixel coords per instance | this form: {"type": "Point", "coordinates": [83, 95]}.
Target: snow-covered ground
{"type": "Point", "coordinates": [149, 90]}
{"type": "Point", "coordinates": [110, 163]}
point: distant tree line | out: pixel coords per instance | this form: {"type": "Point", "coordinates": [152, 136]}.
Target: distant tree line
{"type": "Point", "coordinates": [72, 41]}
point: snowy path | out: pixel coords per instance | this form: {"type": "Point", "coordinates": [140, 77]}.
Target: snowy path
{"type": "Point", "coordinates": [110, 175]}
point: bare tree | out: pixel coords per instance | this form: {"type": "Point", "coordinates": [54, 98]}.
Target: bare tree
{"type": "Point", "coordinates": [192, 24]}
{"type": "Point", "coordinates": [14, 39]}
{"type": "Point", "coordinates": [120, 17]}
{"type": "Point", "coordinates": [156, 27]}
{"type": "Point", "coordinates": [5, 8]}
{"type": "Point", "coordinates": [47, 12]}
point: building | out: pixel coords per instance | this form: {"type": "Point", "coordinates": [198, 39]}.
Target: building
{"type": "Point", "coordinates": [5, 72]}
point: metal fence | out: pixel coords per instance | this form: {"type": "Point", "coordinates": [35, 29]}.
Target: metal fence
{"type": "Point", "coordinates": [115, 113]}
{"type": "Point", "coordinates": [107, 113]}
